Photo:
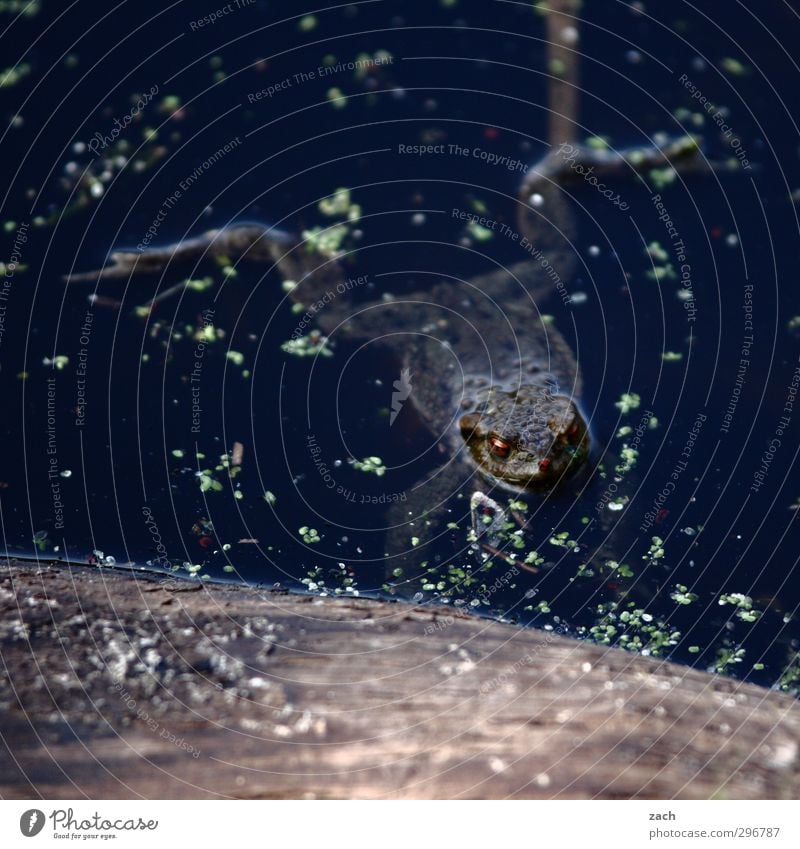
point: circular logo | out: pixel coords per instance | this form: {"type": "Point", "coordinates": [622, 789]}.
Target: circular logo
{"type": "Point", "coordinates": [31, 822]}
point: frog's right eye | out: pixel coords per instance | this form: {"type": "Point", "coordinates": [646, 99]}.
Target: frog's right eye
{"type": "Point", "coordinates": [499, 446]}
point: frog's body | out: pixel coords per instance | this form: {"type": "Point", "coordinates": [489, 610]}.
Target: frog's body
{"type": "Point", "coordinates": [488, 376]}
{"type": "Point", "coordinates": [490, 379]}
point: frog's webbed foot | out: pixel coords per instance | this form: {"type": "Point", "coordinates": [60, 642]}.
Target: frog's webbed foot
{"type": "Point", "coordinates": [490, 525]}
{"type": "Point", "coordinates": [488, 518]}
{"type": "Point", "coordinates": [256, 242]}
{"type": "Point", "coordinates": [443, 523]}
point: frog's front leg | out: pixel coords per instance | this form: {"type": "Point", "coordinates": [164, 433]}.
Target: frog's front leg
{"type": "Point", "coordinates": [255, 242]}
{"type": "Point", "coordinates": [446, 521]}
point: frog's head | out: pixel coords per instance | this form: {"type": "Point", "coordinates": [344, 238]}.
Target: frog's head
{"type": "Point", "coordinates": [526, 438]}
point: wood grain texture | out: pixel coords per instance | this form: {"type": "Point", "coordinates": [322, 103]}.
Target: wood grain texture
{"type": "Point", "coordinates": [126, 685]}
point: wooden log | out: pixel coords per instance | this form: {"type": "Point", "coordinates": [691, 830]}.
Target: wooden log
{"type": "Point", "coordinates": [129, 685]}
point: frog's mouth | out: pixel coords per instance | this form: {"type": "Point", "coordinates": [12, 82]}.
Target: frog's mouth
{"type": "Point", "coordinates": [539, 456]}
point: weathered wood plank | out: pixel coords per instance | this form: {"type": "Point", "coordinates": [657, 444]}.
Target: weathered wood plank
{"type": "Point", "coordinates": [243, 693]}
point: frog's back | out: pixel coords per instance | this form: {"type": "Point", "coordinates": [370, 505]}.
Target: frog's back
{"type": "Point", "coordinates": [459, 337]}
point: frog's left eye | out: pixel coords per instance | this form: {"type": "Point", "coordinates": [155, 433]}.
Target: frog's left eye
{"type": "Point", "coordinates": [499, 447]}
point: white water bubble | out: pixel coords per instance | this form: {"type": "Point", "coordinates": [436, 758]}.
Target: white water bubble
{"type": "Point", "coordinates": [570, 35]}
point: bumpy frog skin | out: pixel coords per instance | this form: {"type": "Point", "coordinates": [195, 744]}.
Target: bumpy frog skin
{"type": "Point", "coordinates": [525, 439]}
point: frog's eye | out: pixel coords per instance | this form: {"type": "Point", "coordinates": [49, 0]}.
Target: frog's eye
{"type": "Point", "coordinates": [499, 447]}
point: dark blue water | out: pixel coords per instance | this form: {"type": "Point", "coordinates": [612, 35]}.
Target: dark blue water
{"type": "Point", "coordinates": [101, 438]}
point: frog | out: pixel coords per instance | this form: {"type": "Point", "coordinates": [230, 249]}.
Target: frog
{"type": "Point", "coordinates": [495, 383]}
{"type": "Point", "coordinates": [519, 396]}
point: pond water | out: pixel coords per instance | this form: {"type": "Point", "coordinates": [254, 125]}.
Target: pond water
{"type": "Point", "coordinates": [196, 439]}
